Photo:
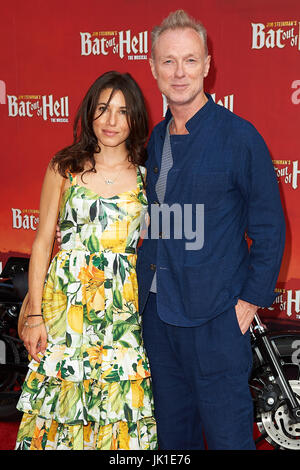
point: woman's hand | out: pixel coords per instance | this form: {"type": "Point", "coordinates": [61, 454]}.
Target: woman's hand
{"type": "Point", "coordinates": [35, 338]}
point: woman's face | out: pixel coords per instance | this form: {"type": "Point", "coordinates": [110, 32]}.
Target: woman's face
{"type": "Point", "coordinates": [110, 123]}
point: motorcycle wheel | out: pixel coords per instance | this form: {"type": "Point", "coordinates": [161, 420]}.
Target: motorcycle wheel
{"type": "Point", "coordinates": [275, 431]}
{"type": "Point", "coordinates": [8, 382]}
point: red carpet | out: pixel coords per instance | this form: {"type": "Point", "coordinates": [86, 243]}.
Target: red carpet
{"type": "Point", "coordinates": [8, 434]}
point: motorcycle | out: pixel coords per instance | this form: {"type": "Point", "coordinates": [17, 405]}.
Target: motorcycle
{"type": "Point", "coordinates": [13, 355]}
{"type": "Point", "coordinates": [274, 381]}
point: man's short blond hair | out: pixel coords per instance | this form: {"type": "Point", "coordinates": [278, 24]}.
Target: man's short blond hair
{"type": "Point", "coordinates": [178, 19]}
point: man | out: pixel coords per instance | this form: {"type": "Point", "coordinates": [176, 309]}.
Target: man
{"type": "Point", "coordinates": [199, 300]}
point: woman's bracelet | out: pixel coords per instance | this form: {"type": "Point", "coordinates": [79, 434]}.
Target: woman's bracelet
{"type": "Point", "coordinates": [34, 325]}
{"type": "Point", "coordinates": [35, 315]}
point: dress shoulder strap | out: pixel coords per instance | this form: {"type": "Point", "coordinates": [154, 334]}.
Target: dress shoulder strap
{"type": "Point", "coordinates": [72, 177]}
{"type": "Point", "coordinates": [141, 177]}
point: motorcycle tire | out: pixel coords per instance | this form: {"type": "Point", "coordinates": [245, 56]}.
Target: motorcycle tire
{"type": "Point", "coordinates": [273, 427]}
{"type": "Point", "coordinates": [8, 382]}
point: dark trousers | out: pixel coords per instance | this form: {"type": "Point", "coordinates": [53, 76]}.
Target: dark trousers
{"type": "Point", "coordinates": [200, 382]}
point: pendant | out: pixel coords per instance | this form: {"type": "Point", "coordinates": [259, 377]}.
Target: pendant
{"type": "Point", "coordinates": [108, 181]}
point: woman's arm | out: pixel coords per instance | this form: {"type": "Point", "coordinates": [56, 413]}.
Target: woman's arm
{"type": "Point", "coordinates": [35, 338]}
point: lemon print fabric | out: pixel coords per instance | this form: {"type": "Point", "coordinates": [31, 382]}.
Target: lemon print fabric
{"type": "Point", "coordinates": [91, 389]}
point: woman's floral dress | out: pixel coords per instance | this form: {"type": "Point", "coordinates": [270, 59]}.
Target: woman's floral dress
{"type": "Point", "coordinates": [92, 387]}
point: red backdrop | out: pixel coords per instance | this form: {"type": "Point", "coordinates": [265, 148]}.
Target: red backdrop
{"type": "Point", "coordinates": [52, 51]}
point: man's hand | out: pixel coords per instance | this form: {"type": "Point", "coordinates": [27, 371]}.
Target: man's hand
{"type": "Point", "coordinates": [58, 236]}
{"type": "Point", "coordinates": [245, 313]}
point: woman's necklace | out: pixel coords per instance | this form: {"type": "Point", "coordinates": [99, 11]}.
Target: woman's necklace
{"type": "Point", "coordinates": [110, 180]}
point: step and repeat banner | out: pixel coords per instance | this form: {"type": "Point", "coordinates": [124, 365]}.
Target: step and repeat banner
{"type": "Point", "coordinates": [51, 52]}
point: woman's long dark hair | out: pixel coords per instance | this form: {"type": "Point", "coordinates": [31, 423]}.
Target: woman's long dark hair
{"type": "Point", "coordinates": [85, 144]}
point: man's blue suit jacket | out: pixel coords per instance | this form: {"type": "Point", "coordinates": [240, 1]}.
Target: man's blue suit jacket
{"type": "Point", "coordinates": [224, 164]}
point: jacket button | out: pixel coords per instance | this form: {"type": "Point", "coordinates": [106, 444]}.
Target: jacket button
{"type": "Point", "coordinates": [155, 169]}
{"type": "Point", "coordinates": [153, 267]}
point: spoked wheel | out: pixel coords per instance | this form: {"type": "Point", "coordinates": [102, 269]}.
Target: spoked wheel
{"type": "Point", "coordinates": [276, 430]}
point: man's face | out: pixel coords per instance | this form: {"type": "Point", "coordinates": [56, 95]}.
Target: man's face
{"type": "Point", "coordinates": [180, 65]}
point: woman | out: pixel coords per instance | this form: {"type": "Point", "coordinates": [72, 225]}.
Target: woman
{"type": "Point", "coordinates": [88, 385]}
